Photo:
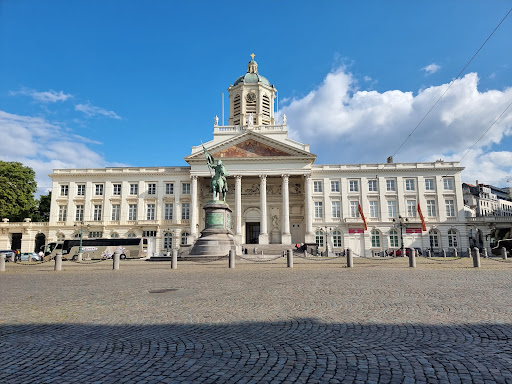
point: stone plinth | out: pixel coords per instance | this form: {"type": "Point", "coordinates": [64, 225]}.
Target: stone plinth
{"type": "Point", "coordinates": [216, 239]}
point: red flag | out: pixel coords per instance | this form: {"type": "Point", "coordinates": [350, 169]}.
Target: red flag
{"type": "Point", "coordinates": [362, 215]}
{"type": "Point", "coordinates": [423, 225]}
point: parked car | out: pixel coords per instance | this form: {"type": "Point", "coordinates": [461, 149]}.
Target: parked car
{"type": "Point", "coordinates": [398, 252]}
{"type": "Point", "coordinates": [8, 254]}
{"type": "Point", "coordinates": [33, 256]}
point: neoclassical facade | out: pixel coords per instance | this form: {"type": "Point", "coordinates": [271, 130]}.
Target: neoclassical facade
{"type": "Point", "coordinates": [276, 191]}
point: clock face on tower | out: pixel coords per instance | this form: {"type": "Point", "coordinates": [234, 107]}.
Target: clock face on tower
{"type": "Point", "coordinates": [251, 97]}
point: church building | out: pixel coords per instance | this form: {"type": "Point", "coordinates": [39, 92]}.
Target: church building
{"type": "Point", "coordinates": [277, 192]}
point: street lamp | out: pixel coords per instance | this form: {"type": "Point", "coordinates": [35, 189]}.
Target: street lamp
{"type": "Point", "coordinates": [401, 223]}
{"type": "Point", "coordinates": [326, 230]}
{"type": "Point", "coordinates": [81, 223]}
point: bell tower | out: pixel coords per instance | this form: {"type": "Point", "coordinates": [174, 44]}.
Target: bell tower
{"type": "Point", "coordinates": [251, 99]}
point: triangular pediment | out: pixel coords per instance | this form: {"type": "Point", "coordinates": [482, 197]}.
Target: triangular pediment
{"type": "Point", "coordinates": [251, 145]}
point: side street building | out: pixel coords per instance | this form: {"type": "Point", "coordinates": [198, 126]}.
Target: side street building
{"type": "Point", "coordinates": [277, 192]}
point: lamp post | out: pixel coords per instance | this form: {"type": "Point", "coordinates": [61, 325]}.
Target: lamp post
{"type": "Point", "coordinates": [401, 223]}
{"type": "Point", "coordinates": [326, 230]}
{"type": "Point", "coordinates": [81, 224]}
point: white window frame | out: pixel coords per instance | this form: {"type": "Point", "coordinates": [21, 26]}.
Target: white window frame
{"type": "Point", "coordinates": [169, 188]}
{"type": "Point", "coordinates": [185, 211]}
{"type": "Point", "coordinates": [185, 189]}
{"type": "Point", "coordinates": [132, 212]}
{"type": "Point", "coordinates": [448, 184]}
{"type": "Point", "coordinates": [64, 190]}
{"type": "Point", "coordinates": [168, 211]}
{"type": "Point", "coordinates": [116, 189]}
{"type": "Point", "coordinates": [411, 208]}
{"type": "Point", "coordinates": [116, 212]}
{"type": "Point", "coordinates": [336, 238]}
{"type": "Point", "coordinates": [335, 186]}
{"type": "Point", "coordinates": [374, 209]}
{"type": "Point", "coordinates": [134, 189]}
{"type": "Point", "coordinates": [151, 188]}
{"type": "Point", "coordinates": [336, 208]}
{"type": "Point", "coordinates": [150, 211]}
{"type": "Point", "coordinates": [319, 238]}
{"type": "Point", "coordinates": [392, 209]}
{"type": "Point", "coordinates": [317, 186]}
{"type": "Point", "coordinates": [410, 185]}
{"type": "Point", "coordinates": [430, 185]}
{"type": "Point", "coordinates": [98, 189]}
{"type": "Point", "coordinates": [63, 212]}
{"type": "Point", "coordinates": [431, 208]}
{"type": "Point", "coordinates": [372, 186]}
{"type": "Point", "coordinates": [391, 185]}
{"type": "Point", "coordinates": [375, 238]}
{"type": "Point", "coordinates": [80, 189]}
{"type": "Point", "coordinates": [354, 209]}
{"type": "Point", "coordinates": [98, 212]}
{"type": "Point", "coordinates": [79, 213]}
{"type": "Point", "coordinates": [393, 239]}
{"type": "Point", "coordinates": [453, 238]}
{"type": "Point", "coordinates": [319, 210]}
{"type": "Point", "coordinates": [450, 207]}
{"type": "Point", "coordinates": [353, 185]}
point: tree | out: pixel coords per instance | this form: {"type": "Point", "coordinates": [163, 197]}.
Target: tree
{"type": "Point", "coordinates": [17, 189]}
{"type": "Point", "coordinates": [43, 211]}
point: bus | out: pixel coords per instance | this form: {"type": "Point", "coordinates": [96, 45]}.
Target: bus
{"type": "Point", "coordinates": [505, 243]}
{"type": "Point", "coordinates": [131, 248]}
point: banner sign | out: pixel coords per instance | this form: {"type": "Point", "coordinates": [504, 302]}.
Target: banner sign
{"type": "Point", "coordinates": [413, 230]}
{"type": "Point", "coordinates": [353, 230]}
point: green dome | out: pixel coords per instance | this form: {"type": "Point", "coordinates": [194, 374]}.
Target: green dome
{"type": "Point", "coordinates": [251, 78]}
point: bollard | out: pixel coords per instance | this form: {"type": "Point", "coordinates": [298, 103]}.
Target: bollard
{"type": "Point", "coordinates": [174, 260]}
{"type": "Point", "coordinates": [504, 253]}
{"type": "Point", "coordinates": [350, 259]}
{"type": "Point", "coordinates": [116, 258]}
{"type": "Point", "coordinates": [476, 258]}
{"type": "Point", "coordinates": [80, 255]}
{"type": "Point", "coordinates": [305, 253]}
{"type": "Point", "coordinates": [412, 259]}
{"type": "Point", "coordinates": [469, 252]}
{"type": "Point", "coordinates": [2, 263]}
{"type": "Point", "coordinates": [13, 257]}
{"type": "Point", "coordinates": [429, 253]}
{"type": "Point", "coordinates": [231, 258]}
{"type": "Point", "coordinates": [58, 262]}
{"type": "Point", "coordinates": [444, 252]}
{"type": "Point", "coordinates": [455, 252]}
{"type": "Point", "coordinates": [484, 253]}
{"type": "Point", "coordinates": [289, 258]}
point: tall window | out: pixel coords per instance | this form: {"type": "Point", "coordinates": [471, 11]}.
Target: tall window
{"type": "Point", "coordinates": [336, 239]}
{"type": "Point", "coordinates": [132, 212]}
{"type": "Point", "coordinates": [151, 188]}
{"type": "Point", "coordinates": [185, 211]}
{"type": "Point", "coordinates": [390, 185]}
{"type": "Point", "coordinates": [452, 238]}
{"type": "Point", "coordinates": [116, 210]}
{"type": "Point", "coordinates": [185, 188]}
{"type": "Point", "coordinates": [319, 212]}
{"type": "Point", "coordinates": [372, 185]}
{"type": "Point", "coordinates": [63, 212]}
{"type": "Point", "coordinates": [434, 238]}
{"type": "Point", "coordinates": [409, 185]}
{"type": "Point", "coordinates": [354, 209]}
{"type": "Point", "coordinates": [391, 208]}
{"type": "Point", "coordinates": [169, 188]}
{"type": "Point", "coordinates": [431, 208]}
{"type": "Point", "coordinates": [97, 212]}
{"type": "Point", "coordinates": [64, 190]}
{"type": "Point", "coordinates": [317, 186]}
{"type": "Point", "coordinates": [393, 238]}
{"type": "Point", "coordinates": [80, 190]}
{"type": "Point", "coordinates": [448, 184]}
{"type": "Point", "coordinates": [168, 208]}
{"type": "Point", "coordinates": [335, 186]}
{"type": "Point", "coordinates": [319, 237]}
{"type": "Point", "coordinates": [375, 239]}
{"type": "Point", "coordinates": [353, 185]}
{"type": "Point", "coordinates": [79, 213]}
{"type": "Point", "coordinates": [116, 189]}
{"type": "Point", "coordinates": [134, 189]}
{"type": "Point", "coordinates": [411, 208]}
{"type": "Point", "coordinates": [335, 209]}
{"type": "Point", "coordinates": [429, 185]}
{"type": "Point", "coordinates": [167, 240]}
{"type": "Point", "coordinates": [450, 208]}
{"type": "Point", "coordinates": [98, 191]}
{"type": "Point", "coordinates": [114, 235]}
{"type": "Point", "coordinates": [374, 209]}
{"type": "Point", "coordinates": [150, 212]}
{"type": "Point", "coordinates": [184, 238]}
{"type": "Point", "coordinates": [95, 234]}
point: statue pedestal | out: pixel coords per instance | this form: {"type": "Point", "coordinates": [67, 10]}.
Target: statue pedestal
{"type": "Point", "coordinates": [216, 238]}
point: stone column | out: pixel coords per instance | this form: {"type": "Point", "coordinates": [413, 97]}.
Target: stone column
{"type": "Point", "coordinates": [238, 207]}
{"type": "Point", "coordinates": [286, 237]}
{"type": "Point", "coordinates": [263, 239]}
{"type": "Point", "coordinates": [310, 236]}
{"type": "Point", "coordinates": [193, 209]}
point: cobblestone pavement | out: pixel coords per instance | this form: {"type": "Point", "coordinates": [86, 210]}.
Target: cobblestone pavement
{"type": "Point", "coordinates": [380, 322]}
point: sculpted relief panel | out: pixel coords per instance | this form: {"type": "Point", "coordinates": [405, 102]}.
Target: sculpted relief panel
{"type": "Point", "coordinates": [250, 148]}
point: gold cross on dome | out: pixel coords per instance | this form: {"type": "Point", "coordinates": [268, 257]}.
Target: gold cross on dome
{"type": "Point", "coordinates": [252, 55]}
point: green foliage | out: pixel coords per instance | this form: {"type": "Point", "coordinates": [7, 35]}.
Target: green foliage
{"type": "Point", "coordinates": [43, 211]}
{"type": "Point", "coordinates": [17, 189]}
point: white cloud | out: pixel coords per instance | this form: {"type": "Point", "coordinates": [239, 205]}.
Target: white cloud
{"type": "Point", "coordinates": [430, 69]}
{"type": "Point", "coordinates": [44, 145]}
{"type": "Point", "coordinates": [346, 125]}
{"type": "Point", "coordinates": [50, 96]}
{"type": "Point", "coordinates": [91, 110]}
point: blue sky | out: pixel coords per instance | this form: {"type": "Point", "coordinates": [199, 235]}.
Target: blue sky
{"type": "Point", "coordinates": [106, 83]}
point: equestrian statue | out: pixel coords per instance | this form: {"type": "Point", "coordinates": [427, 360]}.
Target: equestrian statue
{"type": "Point", "coordinates": [218, 184]}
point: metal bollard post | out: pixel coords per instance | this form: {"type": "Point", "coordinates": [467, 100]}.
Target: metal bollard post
{"type": "Point", "coordinates": [469, 252]}
{"type": "Point", "coordinates": [305, 253]}
{"type": "Point", "coordinates": [58, 262]}
{"type": "Point", "coordinates": [476, 258]}
{"type": "Point", "coordinates": [444, 252]}
{"type": "Point", "coordinates": [504, 253]}
{"type": "Point", "coordinates": [429, 253]}
{"type": "Point", "coordinates": [350, 258]}
{"type": "Point", "coordinates": [2, 263]}
{"type": "Point", "coordinates": [80, 255]}
{"type": "Point", "coordinates": [116, 258]}
{"type": "Point", "coordinates": [455, 252]}
{"type": "Point", "coordinates": [174, 260]}
{"type": "Point", "coordinates": [484, 253]}
{"type": "Point", "coordinates": [412, 259]}
{"type": "Point", "coordinates": [231, 258]}
{"type": "Point", "coordinates": [289, 258]}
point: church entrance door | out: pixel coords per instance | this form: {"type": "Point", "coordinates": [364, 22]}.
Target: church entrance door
{"type": "Point", "coordinates": [252, 233]}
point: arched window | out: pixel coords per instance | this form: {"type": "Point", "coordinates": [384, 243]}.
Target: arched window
{"type": "Point", "coordinates": [319, 237]}
{"type": "Point", "coordinates": [375, 239]}
{"type": "Point", "coordinates": [434, 238]}
{"type": "Point", "coordinates": [131, 234]}
{"type": "Point", "coordinates": [114, 235]}
{"type": "Point", "coordinates": [168, 240]}
{"type": "Point", "coordinates": [336, 239]}
{"type": "Point", "coordinates": [453, 238]}
{"type": "Point", "coordinates": [184, 238]}
{"type": "Point", "coordinates": [393, 238]}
